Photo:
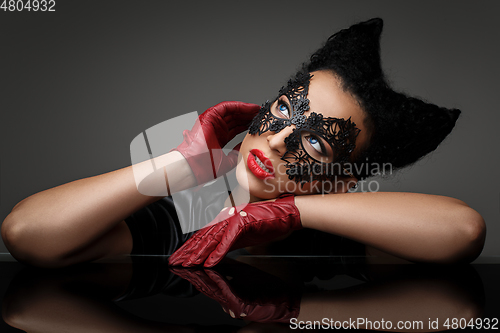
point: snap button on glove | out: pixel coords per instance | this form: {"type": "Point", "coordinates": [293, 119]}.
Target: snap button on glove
{"type": "Point", "coordinates": [202, 146]}
{"type": "Point", "coordinates": [248, 225]}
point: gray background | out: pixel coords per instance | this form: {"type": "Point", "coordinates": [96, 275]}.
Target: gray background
{"type": "Point", "coordinates": [79, 84]}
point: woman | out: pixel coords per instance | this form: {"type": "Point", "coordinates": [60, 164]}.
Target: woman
{"type": "Point", "coordinates": [335, 123]}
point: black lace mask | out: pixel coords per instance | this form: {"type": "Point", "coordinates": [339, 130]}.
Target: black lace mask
{"type": "Point", "coordinates": [318, 147]}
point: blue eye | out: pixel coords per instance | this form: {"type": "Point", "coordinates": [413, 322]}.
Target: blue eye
{"type": "Point", "coordinates": [314, 142]}
{"type": "Point", "coordinates": [284, 109]}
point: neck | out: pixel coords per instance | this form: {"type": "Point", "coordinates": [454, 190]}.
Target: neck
{"type": "Point", "coordinates": [240, 196]}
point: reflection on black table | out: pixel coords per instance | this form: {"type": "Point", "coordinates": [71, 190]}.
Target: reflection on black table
{"type": "Point", "coordinates": [265, 293]}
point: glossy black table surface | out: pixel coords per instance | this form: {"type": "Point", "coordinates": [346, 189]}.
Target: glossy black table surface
{"type": "Point", "coordinates": [249, 294]}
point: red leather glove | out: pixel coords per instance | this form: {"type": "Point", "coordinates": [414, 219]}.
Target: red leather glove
{"type": "Point", "coordinates": [251, 294]}
{"type": "Point", "coordinates": [216, 127]}
{"type": "Point", "coordinates": [247, 225]}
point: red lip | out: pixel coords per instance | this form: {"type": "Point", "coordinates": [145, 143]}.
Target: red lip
{"type": "Point", "coordinates": [254, 166]}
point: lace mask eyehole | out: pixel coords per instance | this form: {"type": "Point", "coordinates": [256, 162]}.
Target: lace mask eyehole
{"type": "Point", "coordinates": [316, 147]}
{"type": "Point", "coordinates": [281, 108]}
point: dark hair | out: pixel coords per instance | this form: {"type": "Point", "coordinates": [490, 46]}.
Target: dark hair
{"type": "Point", "coordinates": [402, 129]}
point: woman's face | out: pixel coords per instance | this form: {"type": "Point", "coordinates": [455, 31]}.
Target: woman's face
{"type": "Point", "coordinates": [261, 170]}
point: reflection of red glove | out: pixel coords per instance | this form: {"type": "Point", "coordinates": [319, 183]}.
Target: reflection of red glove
{"type": "Point", "coordinates": [216, 127]}
{"type": "Point", "coordinates": [250, 294]}
{"type": "Point", "coordinates": [258, 223]}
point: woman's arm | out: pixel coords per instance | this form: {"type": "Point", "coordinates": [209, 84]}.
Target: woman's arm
{"type": "Point", "coordinates": [415, 227]}
{"type": "Point", "coordinates": [83, 220]}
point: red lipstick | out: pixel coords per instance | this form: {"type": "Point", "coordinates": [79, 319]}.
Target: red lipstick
{"type": "Point", "coordinates": [255, 168]}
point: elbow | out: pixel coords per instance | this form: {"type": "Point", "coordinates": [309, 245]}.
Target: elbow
{"type": "Point", "coordinates": [475, 235]}
{"type": "Point", "coordinates": [25, 244]}
{"type": "Point", "coordinates": [12, 234]}
{"type": "Point", "coordinates": [15, 237]}
{"type": "Point", "coordinates": [470, 236]}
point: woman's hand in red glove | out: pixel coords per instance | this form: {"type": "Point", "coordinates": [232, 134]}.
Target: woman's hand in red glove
{"type": "Point", "coordinates": [247, 225]}
{"type": "Point", "coordinates": [202, 146]}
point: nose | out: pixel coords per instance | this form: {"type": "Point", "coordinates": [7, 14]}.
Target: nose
{"type": "Point", "coordinates": [276, 141]}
